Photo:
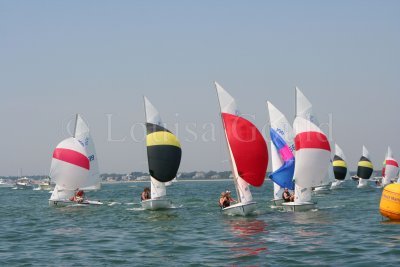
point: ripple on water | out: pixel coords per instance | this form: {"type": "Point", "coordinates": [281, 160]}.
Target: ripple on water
{"type": "Point", "coordinates": [345, 230]}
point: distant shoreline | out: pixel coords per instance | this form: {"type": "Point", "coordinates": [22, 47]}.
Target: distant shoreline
{"type": "Point", "coordinates": [184, 180]}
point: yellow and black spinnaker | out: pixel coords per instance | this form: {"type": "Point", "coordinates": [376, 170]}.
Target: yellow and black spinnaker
{"type": "Point", "coordinates": [339, 168]}
{"type": "Point", "coordinates": [365, 168]}
{"type": "Point", "coordinates": [163, 152]}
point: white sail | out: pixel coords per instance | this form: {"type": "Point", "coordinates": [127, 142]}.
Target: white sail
{"type": "Point", "coordinates": [226, 101]}
{"type": "Point", "coordinates": [228, 105]}
{"type": "Point", "coordinates": [60, 193]}
{"type": "Point", "coordinates": [281, 125]}
{"type": "Point", "coordinates": [276, 164]}
{"type": "Point", "coordinates": [312, 156]}
{"type": "Point", "coordinates": [365, 152]}
{"type": "Point", "coordinates": [391, 168]}
{"type": "Point", "coordinates": [152, 114]}
{"type": "Point", "coordinates": [339, 152]}
{"type": "Point", "coordinates": [304, 107]}
{"type": "Point", "coordinates": [69, 167]}
{"type": "Point", "coordinates": [82, 134]}
{"type": "Point", "coordinates": [158, 189]}
{"type": "Point", "coordinates": [302, 194]}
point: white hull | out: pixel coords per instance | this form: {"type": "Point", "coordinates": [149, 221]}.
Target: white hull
{"type": "Point", "coordinates": [337, 184]}
{"type": "Point", "coordinates": [6, 185]}
{"type": "Point", "coordinates": [362, 183]}
{"type": "Point", "coordinates": [45, 187]}
{"type": "Point", "coordinates": [240, 209]}
{"type": "Point", "coordinates": [294, 207]}
{"type": "Point", "coordinates": [64, 203]}
{"type": "Point", "coordinates": [24, 186]}
{"type": "Point", "coordinates": [156, 204]}
{"type": "Point", "coordinates": [277, 202]}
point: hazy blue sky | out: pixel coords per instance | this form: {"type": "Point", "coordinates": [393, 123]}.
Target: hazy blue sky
{"type": "Point", "coordinates": [58, 58]}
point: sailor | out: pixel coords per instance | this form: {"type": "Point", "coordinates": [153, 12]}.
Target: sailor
{"type": "Point", "coordinates": [287, 197]}
{"type": "Point", "coordinates": [145, 194]}
{"type": "Point", "coordinates": [78, 197]}
{"type": "Point", "coordinates": [225, 200]}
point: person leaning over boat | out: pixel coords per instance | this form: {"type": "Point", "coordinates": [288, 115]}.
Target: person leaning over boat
{"type": "Point", "coordinates": [145, 194]}
{"type": "Point", "coordinates": [287, 197]}
{"type": "Point", "coordinates": [225, 200]}
{"type": "Point", "coordinates": [78, 197]}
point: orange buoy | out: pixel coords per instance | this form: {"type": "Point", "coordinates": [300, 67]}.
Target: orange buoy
{"type": "Point", "coordinates": [390, 202]}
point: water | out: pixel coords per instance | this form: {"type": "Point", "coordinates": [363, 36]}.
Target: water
{"type": "Point", "coordinates": [346, 230]}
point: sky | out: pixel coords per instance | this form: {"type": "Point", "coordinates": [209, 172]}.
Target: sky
{"type": "Point", "coordinates": [99, 58]}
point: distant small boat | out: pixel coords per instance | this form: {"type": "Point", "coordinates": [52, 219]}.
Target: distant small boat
{"type": "Point", "coordinates": [4, 183]}
{"type": "Point", "coordinates": [74, 166]}
{"type": "Point", "coordinates": [164, 156]}
{"type": "Point", "coordinates": [248, 153]}
{"type": "Point", "coordinates": [45, 186]}
{"type": "Point", "coordinates": [24, 183]}
{"type": "Point", "coordinates": [339, 167]}
{"type": "Point", "coordinates": [391, 169]}
{"type": "Point", "coordinates": [365, 169]}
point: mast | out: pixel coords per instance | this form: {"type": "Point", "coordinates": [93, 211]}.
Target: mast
{"type": "Point", "coordinates": [229, 149]}
{"type": "Point", "coordinates": [295, 101]}
{"type": "Point", "coordinates": [76, 123]}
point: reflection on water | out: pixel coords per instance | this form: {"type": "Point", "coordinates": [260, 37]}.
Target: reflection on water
{"type": "Point", "coordinates": [249, 237]}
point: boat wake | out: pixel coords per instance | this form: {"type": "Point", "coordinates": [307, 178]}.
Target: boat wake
{"type": "Point", "coordinates": [114, 203]}
{"type": "Point", "coordinates": [136, 209]}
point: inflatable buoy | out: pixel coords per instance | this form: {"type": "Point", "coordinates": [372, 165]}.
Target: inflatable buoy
{"type": "Point", "coordinates": [390, 202]}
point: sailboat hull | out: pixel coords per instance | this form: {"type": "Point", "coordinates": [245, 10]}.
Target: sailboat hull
{"type": "Point", "coordinates": [156, 204]}
{"type": "Point", "coordinates": [362, 183]}
{"type": "Point", "coordinates": [64, 203]}
{"type": "Point", "coordinates": [296, 207]}
{"type": "Point", "coordinates": [24, 186]}
{"type": "Point", "coordinates": [277, 202]}
{"type": "Point", "coordinates": [337, 184]}
{"type": "Point", "coordinates": [240, 209]}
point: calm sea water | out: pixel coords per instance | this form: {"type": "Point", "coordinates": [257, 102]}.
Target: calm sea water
{"type": "Point", "coordinates": [346, 230]}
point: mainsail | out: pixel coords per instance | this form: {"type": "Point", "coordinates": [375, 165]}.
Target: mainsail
{"type": "Point", "coordinates": [163, 151]}
{"type": "Point", "coordinates": [282, 147]}
{"type": "Point", "coordinates": [304, 107]}
{"type": "Point", "coordinates": [82, 134]}
{"type": "Point", "coordinates": [247, 148]}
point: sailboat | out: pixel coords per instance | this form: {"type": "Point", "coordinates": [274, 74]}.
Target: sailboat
{"type": "Point", "coordinates": [282, 157]}
{"type": "Point", "coordinates": [164, 156]}
{"type": "Point", "coordinates": [339, 167]}
{"type": "Point", "coordinates": [391, 168]}
{"type": "Point", "coordinates": [74, 166]}
{"type": "Point", "coordinates": [312, 155]}
{"type": "Point", "coordinates": [312, 160]}
{"type": "Point", "coordinates": [365, 169]}
{"type": "Point", "coordinates": [248, 153]}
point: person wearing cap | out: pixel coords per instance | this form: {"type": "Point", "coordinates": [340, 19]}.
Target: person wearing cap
{"type": "Point", "coordinates": [287, 197]}
{"type": "Point", "coordinates": [78, 197]}
{"type": "Point", "coordinates": [225, 199]}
